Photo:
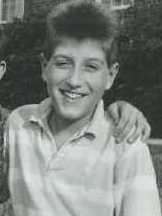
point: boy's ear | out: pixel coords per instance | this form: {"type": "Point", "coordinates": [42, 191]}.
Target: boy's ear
{"type": "Point", "coordinates": [43, 62]}
{"type": "Point", "coordinates": [2, 69]}
{"type": "Point", "coordinates": [113, 71]}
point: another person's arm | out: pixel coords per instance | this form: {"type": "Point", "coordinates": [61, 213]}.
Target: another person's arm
{"type": "Point", "coordinates": [4, 192]}
{"type": "Point", "coordinates": [126, 117]}
{"type": "Point", "coordinates": [4, 163]}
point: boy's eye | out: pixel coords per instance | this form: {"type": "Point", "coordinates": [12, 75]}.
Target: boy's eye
{"type": "Point", "coordinates": [92, 67]}
{"type": "Point", "coordinates": [62, 63]}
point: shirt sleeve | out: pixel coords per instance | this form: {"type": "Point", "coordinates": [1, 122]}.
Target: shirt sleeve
{"type": "Point", "coordinates": [4, 164]}
{"type": "Point", "coordinates": [136, 192]}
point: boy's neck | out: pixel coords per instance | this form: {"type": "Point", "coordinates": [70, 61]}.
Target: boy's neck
{"type": "Point", "coordinates": [63, 129]}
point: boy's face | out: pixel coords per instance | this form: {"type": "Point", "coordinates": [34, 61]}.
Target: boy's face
{"type": "Point", "coordinates": [77, 75]}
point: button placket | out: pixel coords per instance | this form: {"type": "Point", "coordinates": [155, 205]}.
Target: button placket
{"type": "Point", "coordinates": [51, 145]}
{"type": "Point", "coordinates": [57, 161]}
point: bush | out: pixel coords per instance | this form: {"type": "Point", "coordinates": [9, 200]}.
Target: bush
{"type": "Point", "coordinates": [140, 78]}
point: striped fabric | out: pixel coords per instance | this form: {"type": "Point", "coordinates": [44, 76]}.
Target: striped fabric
{"type": "Point", "coordinates": [89, 176]}
{"type": "Point", "coordinates": [11, 9]}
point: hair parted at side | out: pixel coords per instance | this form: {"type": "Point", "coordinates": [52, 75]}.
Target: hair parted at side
{"type": "Point", "coordinates": [80, 20]}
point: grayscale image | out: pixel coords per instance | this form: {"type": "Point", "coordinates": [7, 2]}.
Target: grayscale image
{"type": "Point", "coordinates": [80, 107]}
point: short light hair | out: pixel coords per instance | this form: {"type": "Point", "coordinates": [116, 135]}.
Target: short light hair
{"type": "Point", "coordinates": [81, 20]}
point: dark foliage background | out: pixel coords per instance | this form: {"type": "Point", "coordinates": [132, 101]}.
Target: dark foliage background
{"type": "Point", "coordinates": [140, 46]}
{"type": "Point", "coordinates": [139, 81]}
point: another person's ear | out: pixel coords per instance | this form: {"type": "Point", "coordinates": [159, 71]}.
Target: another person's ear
{"type": "Point", "coordinates": [43, 62]}
{"type": "Point", "coordinates": [2, 69]}
{"type": "Point", "coordinates": [113, 71]}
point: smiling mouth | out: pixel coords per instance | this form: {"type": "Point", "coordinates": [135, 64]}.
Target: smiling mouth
{"type": "Point", "coordinates": [72, 95]}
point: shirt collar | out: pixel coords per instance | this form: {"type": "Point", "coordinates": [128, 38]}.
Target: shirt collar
{"type": "Point", "coordinates": [99, 123]}
{"type": "Point", "coordinates": [98, 120]}
{"type": "Point", "coordinates": [92, 129]}
{"type": "Point", "coordinates": [42, 112]}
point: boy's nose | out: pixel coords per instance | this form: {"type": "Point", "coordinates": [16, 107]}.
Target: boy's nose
{"type": "Point", "coordinates": [75, 78]}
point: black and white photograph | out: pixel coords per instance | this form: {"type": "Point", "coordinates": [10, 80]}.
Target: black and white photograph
{"type": "Point", "coordinates": [80, 107]}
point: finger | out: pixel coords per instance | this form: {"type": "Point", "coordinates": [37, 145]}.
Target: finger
{"type": "Point", "coordinates": [125, 132]}
{"type": "Point", "coordinates": [113, 112]}
{"type": "Point", "coordinates": [125, 119]}
{"type": "Point", "coordinates": [135, 134]}
{"type": "Point", "coordinates": [146, 132]}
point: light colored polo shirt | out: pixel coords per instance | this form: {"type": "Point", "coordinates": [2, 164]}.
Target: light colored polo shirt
{"type": "Point", "coordinates": [90, 175]}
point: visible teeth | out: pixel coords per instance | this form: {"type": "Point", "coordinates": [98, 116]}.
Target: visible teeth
{"type": "Point", "coordinates": [72, 95]}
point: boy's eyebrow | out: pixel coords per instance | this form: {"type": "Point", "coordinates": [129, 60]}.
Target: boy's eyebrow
{"type": "Point", "coordinates": [100, 61]}
{"type": "Point", "coordinates": [87, 59]}
{"type": "Point", "coordinates": [60, 56]}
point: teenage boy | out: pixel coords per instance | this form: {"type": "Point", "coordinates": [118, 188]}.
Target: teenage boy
{"type": "Point", "coordinates": [117, 110]}
{"type": "Point", "coordinates": [63, 157]}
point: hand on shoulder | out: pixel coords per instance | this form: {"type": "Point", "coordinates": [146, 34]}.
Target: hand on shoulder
{"type": "Point", "coordinates": [130, 123]}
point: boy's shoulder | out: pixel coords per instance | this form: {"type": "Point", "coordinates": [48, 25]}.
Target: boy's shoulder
{"type": "Point", "coordinates": [134, 162]}
{"type": "Point", "coordinates": [126, 149]}
{"type": "Point", "coordinates": [22, 114]}
{"type": "Point", "coordinates": [30, 112]}
{"type": "Point", "coordinates": [128, 153]}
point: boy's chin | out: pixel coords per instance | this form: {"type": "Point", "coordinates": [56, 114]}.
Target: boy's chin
{"type": "Point", "coordinates": [73, 115]}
